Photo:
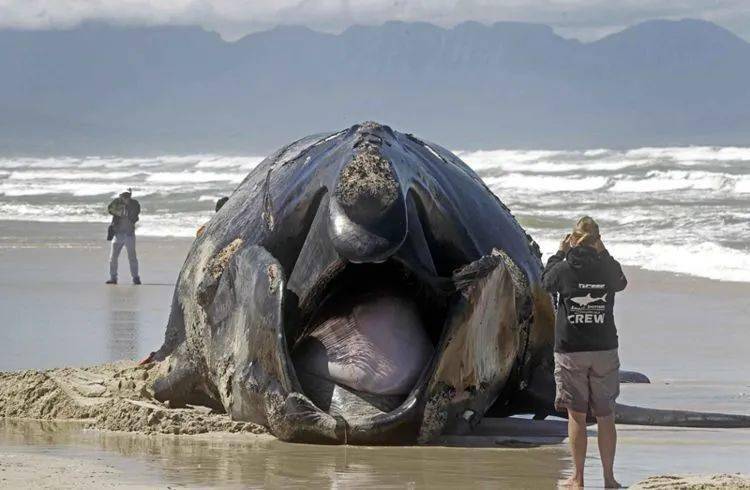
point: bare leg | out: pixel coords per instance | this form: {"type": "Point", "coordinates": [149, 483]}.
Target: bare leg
{"type": "Point", "coordinates": [607, 438]}
{"type": "Point", "coordinates": [577, 438]}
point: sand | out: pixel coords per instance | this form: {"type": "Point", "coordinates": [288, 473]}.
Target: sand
{"type": "Point", "coordinates": [694, 482]}
{"type": "Point", "coordinates": [20, 470]}
{"type": "Point", "coordinates": [115, 396]}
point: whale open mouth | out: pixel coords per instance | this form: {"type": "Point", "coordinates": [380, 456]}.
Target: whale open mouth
{"type": "Point", "coordinates": [370, 340]}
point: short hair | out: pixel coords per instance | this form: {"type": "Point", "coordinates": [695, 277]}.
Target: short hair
{"type": "Point", "coordinates": [221, 202]}
{"type": "Point", "coordinates": [586, 232]}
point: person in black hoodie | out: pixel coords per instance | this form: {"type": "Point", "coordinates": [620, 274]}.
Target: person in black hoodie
{"type": "Point", "coordinates": [585, 278]}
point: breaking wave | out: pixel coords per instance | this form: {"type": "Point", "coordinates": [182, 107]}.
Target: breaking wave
{"type": "Point", "coordinates": [682, 209]}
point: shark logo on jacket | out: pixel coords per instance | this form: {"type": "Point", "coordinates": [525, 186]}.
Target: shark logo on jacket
{"type": "Point", "coordinates": [587, 310]}
{"type": "Point", "coordinates": [587, 300]}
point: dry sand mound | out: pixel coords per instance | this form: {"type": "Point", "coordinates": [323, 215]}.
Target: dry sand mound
{"type": "Point", "coordinates": [694, 482]}
{"type": "Point", "coordinates": [116, 396]}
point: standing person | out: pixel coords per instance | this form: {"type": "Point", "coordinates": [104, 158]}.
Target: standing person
{"type": "Point", "coordinates": [585, 278]}
{"type": "Point", "coordinates": [124, 210]}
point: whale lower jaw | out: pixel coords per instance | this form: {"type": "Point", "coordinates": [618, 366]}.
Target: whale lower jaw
{"type": "Point", "coordinates": [362, 356]}
{"type": "Point", "coordinates": [474, 340]}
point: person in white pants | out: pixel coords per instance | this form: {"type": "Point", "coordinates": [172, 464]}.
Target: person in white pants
{"type": "Point", "coordinates": [125, 213]}
{"type": "Point", "coordinates": [128, 241]}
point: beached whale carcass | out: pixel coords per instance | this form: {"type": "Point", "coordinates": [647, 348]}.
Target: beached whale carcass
{"type": "Point", "coordinates": [361, 287]}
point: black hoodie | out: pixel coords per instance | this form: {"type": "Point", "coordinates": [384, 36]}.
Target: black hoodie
{"type": "Point", "coordinates": [586, 282]}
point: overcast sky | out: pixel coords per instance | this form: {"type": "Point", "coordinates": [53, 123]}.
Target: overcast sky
{"type": "Point", "coordinates": [584, 19]}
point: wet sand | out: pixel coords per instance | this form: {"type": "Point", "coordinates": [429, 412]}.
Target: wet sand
{"type": "Point", "coordinates": [689, 335]}
{"type": "Point", "coordinates": [34, 454]}
{"type": "Point", "coordinates": [262, 461]}
{"type": "Point", "coordinates": [58, 312]}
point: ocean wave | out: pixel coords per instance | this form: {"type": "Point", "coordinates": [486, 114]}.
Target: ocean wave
{"type": "Point", "coordinates": [675, 180]}
{"type": "Point", "coordinates": [77, 213]}
{"type": "Point", "coordinates": [62, 162]}
{"type": "Point", "coordinates": [550, 162]}
{"type": "Point", "coordinates": [603, 160]}
{"type": "Point", "coordinates": [193, 177]}
{"type": "Point", "coordinates": [246, 163]}
{"type": "Point", "coordinates": [546, 183]}
{"type": "Point", "coordinates": [75, 189]}
{"type": "Point", "coordinates": [483, 159]}
{"type": "Point", "coordinates": [69, 175]}
{"type": "Point", "coordinates": [205, 197]}
{"type": "Point", "coordinates": [703, 259]}
{"type": "Point", "coordinates": [173, 224]}
{"type": "Point", "coordinates": [657, 206]}
{"type": "Point", "coordinates": [742, 185]}
{"type": "Point", "coordinates": [693, 154]}
{"type": "Point", "coordinates": [104, 162]}
{"type": "Point", "coordinates": [164, 224]}
{"type": "Point", "coordinates": [620, 217]}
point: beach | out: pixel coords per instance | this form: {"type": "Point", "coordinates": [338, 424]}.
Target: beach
{"type": "Point", "coordinates": [59, 312]}
{"type": "Point", "coordinates": [367, 269]}
{"type": "Point", "coordinates": [688, 334]}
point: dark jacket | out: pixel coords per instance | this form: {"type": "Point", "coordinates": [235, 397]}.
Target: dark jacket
{"type": "Point", "coordinates": [585, 282]}
{"type": "Point", "coordinates": [124, 216]}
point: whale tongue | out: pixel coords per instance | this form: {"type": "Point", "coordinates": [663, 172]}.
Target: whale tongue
{"type": "Point", "coordinates": [371, 344]}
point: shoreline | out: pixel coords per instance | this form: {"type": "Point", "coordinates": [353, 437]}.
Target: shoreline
{"type": "Point", "coordinates": [55, 234]}
{"type": "Point", "coordinates": [688, 334]}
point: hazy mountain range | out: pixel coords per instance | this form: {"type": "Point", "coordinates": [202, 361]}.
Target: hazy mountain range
{"type": "Point", "coordinates": [104, 89]}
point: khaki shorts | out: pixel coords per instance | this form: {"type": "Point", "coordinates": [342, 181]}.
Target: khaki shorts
{"type": "Point", "coordinates": [587, 379]}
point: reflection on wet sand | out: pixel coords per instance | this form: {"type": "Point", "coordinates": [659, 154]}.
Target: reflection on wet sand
{"type": "Point", "coordinates": [123, 324]}
{"type": "Point", "coordinates": [263, 461]}
{"type": "Point", "coordinates": [498, 455]}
